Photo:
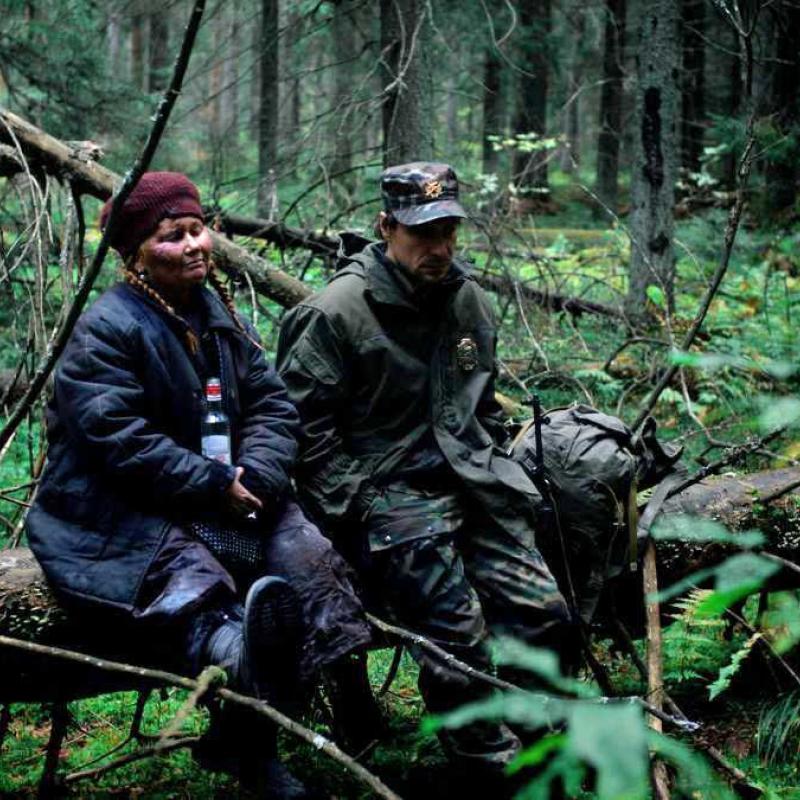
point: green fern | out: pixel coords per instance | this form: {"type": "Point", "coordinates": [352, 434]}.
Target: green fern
{"type": "Point", "coordinates": [727, 673]}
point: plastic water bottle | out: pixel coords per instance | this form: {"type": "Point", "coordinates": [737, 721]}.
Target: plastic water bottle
{"type": "Point", "coordinates": [215, 428]}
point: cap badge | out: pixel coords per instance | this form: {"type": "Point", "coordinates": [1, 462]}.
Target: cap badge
{"type": "Point", "coordinates": [467, 354]}
{"type": "Point", "coordinates": [432, 189]}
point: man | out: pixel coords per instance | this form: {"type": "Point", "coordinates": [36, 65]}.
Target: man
{"type": "Point", "coordinates": [391, 367]}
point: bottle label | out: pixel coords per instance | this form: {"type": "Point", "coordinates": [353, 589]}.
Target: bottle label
{"type": "Point", "coordinates": [217, 447]}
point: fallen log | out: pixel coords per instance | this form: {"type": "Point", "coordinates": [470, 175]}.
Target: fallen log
{"type": "Point", "coordinates": [77, 166]}
{"type": "Point", "coordinates": [30, 611]}
{"type": "Point", "coordinates": [326, 246]}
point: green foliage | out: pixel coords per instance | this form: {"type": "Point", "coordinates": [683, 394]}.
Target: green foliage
{"type": "Point", "coordinates": [727, 673]}
{"type": "Point", "coordinates": [575, 745]}
{"type": "Point", "coordinates": [779, 731]}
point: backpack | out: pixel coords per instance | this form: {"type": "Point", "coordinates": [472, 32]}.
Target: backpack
{"type": "Point", "coordinates": [592, 468]}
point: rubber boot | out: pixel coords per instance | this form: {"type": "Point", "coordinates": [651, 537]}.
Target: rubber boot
{"type": "Point", "coordinates": [261, 651]}
{"type": "Point", "coordinates": [357, 719]}
{"type": "Point", "coordinates": [243, 744]}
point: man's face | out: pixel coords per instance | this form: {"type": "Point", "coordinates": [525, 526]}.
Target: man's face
{"type": "Point", "coordinates": [426, 250]}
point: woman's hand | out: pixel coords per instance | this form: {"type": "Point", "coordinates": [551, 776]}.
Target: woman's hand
{"type": "Point", "coordinates": [240, 501]}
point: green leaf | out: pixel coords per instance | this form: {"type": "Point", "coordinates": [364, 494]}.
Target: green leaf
{"type": "Point", "coordinates": [619, 758]}
{"type": "Point", "coordinates": [694, 777]}
{"type": "Point", "coordinates": [655, 294]}
{"type": "Point", "coordinates": [780, 412]}
{"type": "Point", "coordinates": [541, 662]}
{"type": "Point", "coordinates": [525, 708]}
{"type": "Point", "coordinates": [744, 569]}
{"type": "Point", "coordinates": [727, 673]}
{"type": "Point", "coordinates": [538, 751]}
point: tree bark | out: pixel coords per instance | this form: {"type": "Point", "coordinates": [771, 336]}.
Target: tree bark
{"type": "Point", "coordinates": [573, 112]}
{"type": "Point", "coordinates": [137, 50]}
{"type": "Point", "coordinates": [782, 171]}
{"type": "Point", "coordinates": [89, 177]}
{"type": "Point", "coordinates": [493, 108]}
{"type": "Point", "coordinates": [530, 169]}
{"type": "Point", "coordinates": [610, 133]}
{"type": "Point", "coordinates": [158, 74]}
{"type": "Point", "coordinates": [268, 110]}
{"type": "Point", "coordinates": [345, 43]}
{"type": "Point", "coordinates": [406, 44]}
{"type": "Point", "coordinates": [654, 169]}
{"type": "Point", "coordinates": [693, 86]}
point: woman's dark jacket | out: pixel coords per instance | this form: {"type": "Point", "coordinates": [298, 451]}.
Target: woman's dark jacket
{"type": "Point", "coordinates": [124, 442]}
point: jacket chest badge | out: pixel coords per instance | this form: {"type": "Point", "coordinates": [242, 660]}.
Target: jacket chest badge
{"type": "Point", "coordinates": [467, 354]}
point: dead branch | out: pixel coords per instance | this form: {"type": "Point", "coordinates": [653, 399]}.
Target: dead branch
{"type": "Point", "coordinates": [140, 675]}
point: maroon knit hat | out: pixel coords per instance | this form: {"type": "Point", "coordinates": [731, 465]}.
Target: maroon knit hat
{"type": "Point", "coordinates": [157, 195]}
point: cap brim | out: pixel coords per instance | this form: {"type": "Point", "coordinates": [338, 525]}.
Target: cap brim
{"type": "Point", "coordinates": [418, 215]}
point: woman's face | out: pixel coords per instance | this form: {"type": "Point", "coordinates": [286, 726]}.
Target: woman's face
{"type": "Point", "coordinates": [175, 256]}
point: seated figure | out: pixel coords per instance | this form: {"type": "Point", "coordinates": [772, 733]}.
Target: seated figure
{"type": "Point", "coordinates": [402, 448]}
{"type": "Point", "coordinates": [129, 512]}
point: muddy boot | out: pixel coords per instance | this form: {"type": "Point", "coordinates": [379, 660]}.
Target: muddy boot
{"type": "Point", "coordinates": [261, 651]}
{"type": "Point", "coordinates": [357, 719]}
{"type": "Point", "coordinates": [243, 744]}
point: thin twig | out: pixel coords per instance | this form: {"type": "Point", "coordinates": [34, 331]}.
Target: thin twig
{"type": "Point", "coordinates": [161, 677]}
{"type": "Point", "coordinates": [157, 749]}
{"type": "Point", "coordinates": [451, 661]}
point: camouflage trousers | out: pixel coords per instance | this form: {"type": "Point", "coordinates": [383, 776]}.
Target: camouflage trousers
{"type": "Point", "coordinates": [435, 565]}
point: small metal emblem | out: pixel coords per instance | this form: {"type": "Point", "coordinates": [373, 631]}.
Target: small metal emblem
{"type": "Point", "coordinates": [432, 189]}
{"type": "Point", "coordinates": [467, 354]}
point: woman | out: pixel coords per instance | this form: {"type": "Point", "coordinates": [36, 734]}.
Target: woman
{"type": "Point", "coordinates": [127, 500]}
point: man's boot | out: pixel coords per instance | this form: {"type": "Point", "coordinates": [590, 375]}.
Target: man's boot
{"type": "Point", "coordinates": [243, 744]}
{"type": "Point", "coordinates": [357, 719]}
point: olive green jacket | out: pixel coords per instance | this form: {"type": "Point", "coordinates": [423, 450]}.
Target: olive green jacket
{"type": "Point", "coordinates": [371, 373]}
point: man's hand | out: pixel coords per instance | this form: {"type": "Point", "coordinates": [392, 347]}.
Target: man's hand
{"type": "Point", "coordinates": [240, 501]}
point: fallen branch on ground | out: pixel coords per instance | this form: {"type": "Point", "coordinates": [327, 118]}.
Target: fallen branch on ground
{"type": "Point", "coordinates": [162, 678]}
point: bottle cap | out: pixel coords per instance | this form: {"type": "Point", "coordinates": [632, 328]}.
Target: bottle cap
{"type": "Point", "coordinates": [213, 389]}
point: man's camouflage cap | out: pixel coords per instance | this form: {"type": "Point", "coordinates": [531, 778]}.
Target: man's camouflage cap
{"type": "Point", "coordinates": [420, 192]}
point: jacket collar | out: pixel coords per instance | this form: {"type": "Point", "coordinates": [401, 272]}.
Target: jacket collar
{"type": "Point", "coordinates": [217, 316]}
{"type": "Point", "coordinates": [389, 284]}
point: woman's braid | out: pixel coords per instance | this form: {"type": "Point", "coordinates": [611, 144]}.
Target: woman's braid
{"type": "Point", "coordinates": [225, 296]}
{"type": "Point", "coordinates": [133, 279]}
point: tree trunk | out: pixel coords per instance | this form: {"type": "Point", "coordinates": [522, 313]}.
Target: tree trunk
{"type": "Point", "coordinates": [158, 74]}
{"type": "Point", "coordinates": [654, 169]}
{"type": "Point", "coordinates": [610, 134]}
{"type": "Point", "coordinates": [406, 44]}
{"type": "Point", "coordinates": [218, 24]}
{"type": "Point", "coordinates": [137, 50]}
{"type": "Point", "coordinates": [230, 78]}
{"type": "Point", "coordinates": [113, 41]}
{"type": "Point", "coordinates": [268, 110]}
{"type": "Point", "coordinates": [693, 86]}
{"type": "Point", "coordinates": [571, 151]}
{"type": "Point", "coordinates": [530, 169]}
{"type": "Point", "coordinates": [493, 108]}
{"type": "Point", "coordinates": [782, 168]}
{"type": "Point", "coordinates": [345, 43]}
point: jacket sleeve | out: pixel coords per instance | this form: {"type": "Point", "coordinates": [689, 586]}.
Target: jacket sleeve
{"type": "Point", "coordinates": [267, 445]}
{"type": "Point", "coordinates": [312, 363]}
{"type": "Point", "coordinates": [102, 403]}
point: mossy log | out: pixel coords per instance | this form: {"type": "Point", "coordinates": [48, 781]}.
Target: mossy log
{"type": "Point", "coordinates": [29, 610]}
